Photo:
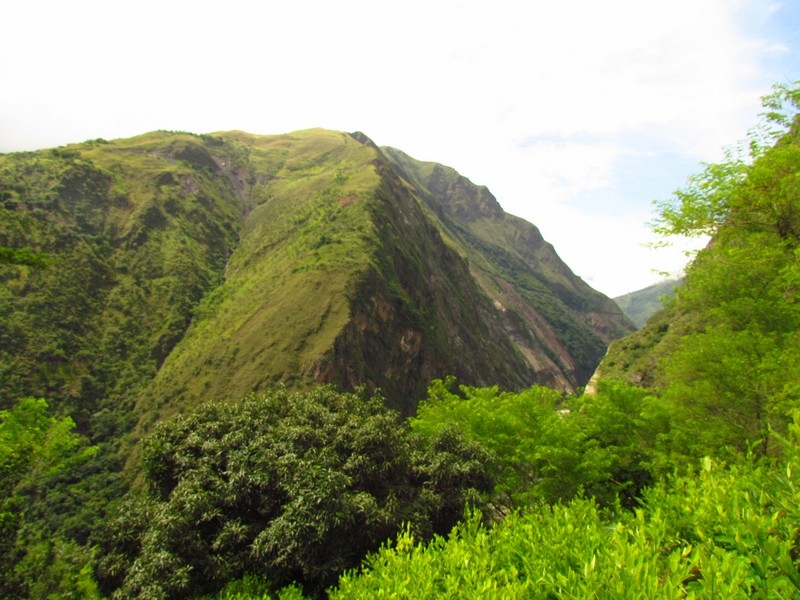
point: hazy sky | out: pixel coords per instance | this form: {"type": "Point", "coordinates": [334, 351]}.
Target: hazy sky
{"type": "Point", "coordinates": [575, 113]}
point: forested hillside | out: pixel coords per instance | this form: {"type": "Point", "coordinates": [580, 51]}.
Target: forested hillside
{"type": "Point", "coordinates": [144, 277]}
{"type": "Point", "coordinates": [676, 478]}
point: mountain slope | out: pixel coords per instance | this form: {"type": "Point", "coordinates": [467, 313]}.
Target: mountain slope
{"type": "Point", "coordinates": [640, 305]}
{"type": "Point", "coordinates": [338, 277]}
{"type": "Point", "coordinates": [133, 237]}
{"type": "Point", "coordinates": [555, 319]}
{"type": "Point", "coordinates": [186, 268]}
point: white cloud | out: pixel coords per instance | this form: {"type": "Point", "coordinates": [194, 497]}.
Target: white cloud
{"type": "Point", "coordinates": [542, 102]}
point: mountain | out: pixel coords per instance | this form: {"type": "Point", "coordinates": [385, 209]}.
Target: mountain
{"type": "Point", "coordinates": [182, 268]}
{"type": "Point", "coordinates": [559, 323]}
{"type": "Point", "coordinates": [640, 305]}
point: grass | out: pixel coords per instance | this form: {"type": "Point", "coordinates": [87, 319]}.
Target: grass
{"type": "Point", "coordinates": [286, 294]}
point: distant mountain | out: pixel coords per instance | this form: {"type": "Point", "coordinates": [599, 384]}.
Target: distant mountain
{"type": "Point", "coordinates": [640, 305]}
{"type": "Point", "coordinates": [182, 268]}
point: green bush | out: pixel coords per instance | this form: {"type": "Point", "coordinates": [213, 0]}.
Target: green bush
{"type": "Point", "coordinates": [548, 448]}
{"type": "Point", "coordinates": [716, 533]}
{"type": "Point", "coordinates": [37, 452]}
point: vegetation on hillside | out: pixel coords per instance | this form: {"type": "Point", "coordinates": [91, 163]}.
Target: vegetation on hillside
{"type": "Point", "coordinates": [642, 304]}
{"type": "Point", "coordinates": [677, 478]}
{"type": "Point", "coordinates": [519, 271]}
{"type": "Point", "coordinates": [292, 487]}
{"type": "Point", "coordinates": [714, 442]}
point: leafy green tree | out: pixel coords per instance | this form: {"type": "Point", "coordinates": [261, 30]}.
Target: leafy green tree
{"type": "Point", "coordinates": [289, 487]}
{"type": "Point", "coordinates": [35, 449]}
{"type": "Point", "coordinates": [717, 532]}
{"type": "Point", "coordinates": [728, 192]}
{"type": "Point", "coordinates": [549, 448]}
{"type": "Point", "coordinates": [512, 426]}
{"type": "Point", "coordinates": [732, 375]}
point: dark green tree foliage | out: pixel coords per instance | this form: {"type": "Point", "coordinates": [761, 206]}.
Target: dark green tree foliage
{"type": "Point", "coordinates": [290, 487]}
{"type": "Point", "coordinates": [22, 256]}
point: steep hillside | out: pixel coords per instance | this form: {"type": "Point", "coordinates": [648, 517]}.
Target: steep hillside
{"type": "Point", "coordinates": [338, 277]}
{"type": "Point", "coordinates": [726, 348]}
{"type": "Point", "coordinates": [559, 323]}
{"type": "Point", "coordinates": [181, 268]}
{"type": "Point", "coordinates": [133, 234]}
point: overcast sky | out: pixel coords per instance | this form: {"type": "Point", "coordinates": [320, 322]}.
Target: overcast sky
{"type": "Point", "coordinates": [575, 113]}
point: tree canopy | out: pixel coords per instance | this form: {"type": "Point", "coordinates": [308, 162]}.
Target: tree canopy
{"type": "Point", "coordinates": [291, 487]}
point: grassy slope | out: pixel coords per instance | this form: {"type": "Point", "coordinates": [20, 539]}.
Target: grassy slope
{"type": "Point", "coordinates": [287, 286]}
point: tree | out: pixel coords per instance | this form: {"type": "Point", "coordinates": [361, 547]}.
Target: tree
{"type": "Point", "coordinates": [23, 256]}
{"type": "Point", "coordinates": [741, 191]}
{"type": "Point", "coordinates": [733, 376]}
{"type": "Point", "coordinates": [549, 448]}
{"type": "Point", "coordinates": [291, 487]}
{"type": "Point", "coordinates": [35, 449]}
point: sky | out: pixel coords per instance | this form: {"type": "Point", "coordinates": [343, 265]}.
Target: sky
{"type": "Point", "coordinates": [576, 114]}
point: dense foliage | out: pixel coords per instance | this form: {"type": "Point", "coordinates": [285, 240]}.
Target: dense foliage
{"type": "Point", "coordinates": [547, 448]}
{"type": "Point", "coordinates": [291, 487]}
{"type": "Point", "coordinates": [676, 477]}
{"type": "Point", "coordinates": [725, 356]}
{"type": "Point", "coordinates": [39, 525]}
{"type": "Point", "coordinates": [716, 533]}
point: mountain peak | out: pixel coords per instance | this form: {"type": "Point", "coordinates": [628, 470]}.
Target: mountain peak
{"type": "Point", "coordinates": [215, 265]}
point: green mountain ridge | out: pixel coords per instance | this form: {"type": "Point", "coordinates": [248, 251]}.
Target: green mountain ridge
{"type": "Point", "coordinates": [538, 296]}
{"type": "Point", "coordinates": [143, 277]}
{"type": "Point", "coordinates": [216, 265]}
{"type": "Point", "coordinates": [642, 304]}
